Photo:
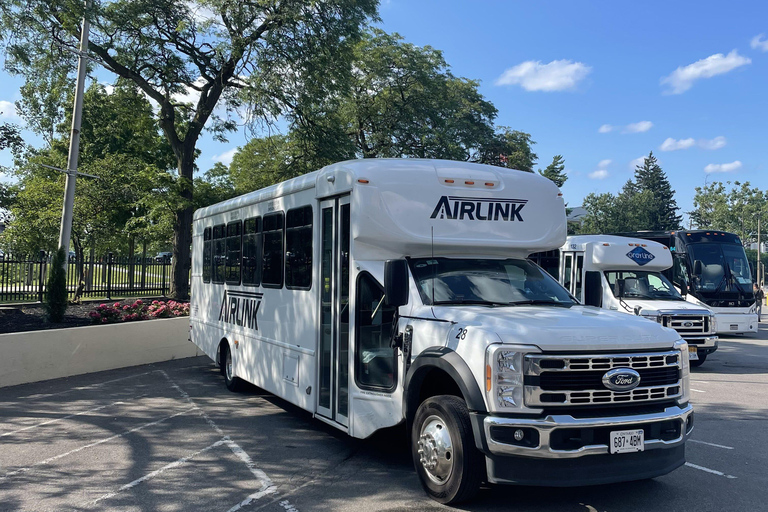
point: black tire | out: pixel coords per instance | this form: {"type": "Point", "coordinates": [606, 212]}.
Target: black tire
{"type": "Point", "coordinates": [233, 383]}
{"type": "Point", "coordinates": [457, 472]}
{"type": "Point", "coordinates": [695, 363]}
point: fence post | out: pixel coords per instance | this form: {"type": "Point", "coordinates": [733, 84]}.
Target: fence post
{"type": "Point", "coordinates": [109, 276]}
{"type": "Point", "coordinates": [162, 286]}
{"type": "Point", "coordinates": [41, 281]}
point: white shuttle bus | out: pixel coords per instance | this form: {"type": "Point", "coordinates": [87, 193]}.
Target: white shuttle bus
{"type": "Point", "coordinates": [378, 292]}
{"type": "Point", "coordinates": [625, 274]}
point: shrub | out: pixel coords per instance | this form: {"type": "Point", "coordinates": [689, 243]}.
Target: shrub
{"type": "Point", "coordinates": [56, 288]}
{"type": "Point", "coordinates": [109, 314]}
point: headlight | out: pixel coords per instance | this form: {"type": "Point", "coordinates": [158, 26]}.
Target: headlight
{"type": "Point", "coordinates": [712, 324]}
{"type": "Point", "coordinates": [504, 376]}
{"type": "Point", "coordinates": [685, 364]}
{"type": "Point", "coordinates": [653, 317]}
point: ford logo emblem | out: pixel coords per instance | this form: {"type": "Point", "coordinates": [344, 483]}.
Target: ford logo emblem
{"type": "Point", "coordinates": [621, 379]}
{"type": "Point", "coordinates": [687, 324]}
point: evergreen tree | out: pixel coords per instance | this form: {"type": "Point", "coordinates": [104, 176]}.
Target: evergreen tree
{"type": "Point", "coordinates": [555, 171]}
{"type": "Point", "coordinates": [657, 208]}
{"type": "Point", "coordinates": [56, 289]}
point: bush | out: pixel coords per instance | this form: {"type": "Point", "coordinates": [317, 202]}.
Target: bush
{"type": "Point", "coordinates": [56, 288]}
{"type": "Point", "coordinates": [109, 314]}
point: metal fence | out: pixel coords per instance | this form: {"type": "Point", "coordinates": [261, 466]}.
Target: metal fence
{"type": "Point", "coordinates": [23, 279]}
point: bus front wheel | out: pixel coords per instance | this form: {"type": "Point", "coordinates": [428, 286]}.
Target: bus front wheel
{"type": "Point", "coordinates": [442, 445]}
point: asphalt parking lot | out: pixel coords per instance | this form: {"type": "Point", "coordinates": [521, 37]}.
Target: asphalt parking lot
{"type": "Point", "coordinates": [170, 437]}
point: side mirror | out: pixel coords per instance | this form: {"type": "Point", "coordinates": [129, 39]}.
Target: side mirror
{"type": "Point", "coordinates": [620, 287]}
{"type": "Point", "coordinates": [396, 283]}
{"type": "Point", "coordinates": [697, 268]}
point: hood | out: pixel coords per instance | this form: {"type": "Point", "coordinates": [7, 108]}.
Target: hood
{"type": "Point", "coordinates": [652, 306]}
{"type": "Point", "coordinates": [555, 329]}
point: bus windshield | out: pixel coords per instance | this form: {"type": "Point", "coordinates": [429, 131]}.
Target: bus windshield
{"type": "Point", "coordinates": [636, 284]}
{"type": "Point", "coordinates": [487, 282]}
{"type": "Point", "coordinates": [722, 267]}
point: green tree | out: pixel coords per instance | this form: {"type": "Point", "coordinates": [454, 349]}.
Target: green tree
{"type": "Point", "coordinates": [281, 55]}
{"type": "Point", "coordinates": [556, 171]}
{"type": "Point", "coordinates": [734, 207]}
{"type": "Point", "coordinates": [656, 203]}
{"type": "Point", "coordinates": [508, 148]}
{"type": "Point", "coordinates": [56, 288]}
{"type": "Point", "coordinates": [265, 161]}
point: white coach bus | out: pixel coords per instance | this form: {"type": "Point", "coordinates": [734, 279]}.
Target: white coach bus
{"type": "Point", "coordinates": [376, 292]}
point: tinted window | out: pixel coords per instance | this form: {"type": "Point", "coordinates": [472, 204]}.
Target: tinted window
{"type": "Point", "coordinates": [207, 255]}
{"type": "Point", "coordinates": [219, 253]}
{"type": "Point", "coordinates": [251, 251]}
{"type": "Point", "coordinates": [234, 241]}
{"type": "Point", "coordinates": [298, 248]}
{"type": "Point", "coordinates": [272, 259]}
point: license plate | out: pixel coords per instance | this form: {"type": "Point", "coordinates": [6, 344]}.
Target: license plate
{"type": "Point", "coordinates": [625, 441]}
{"type": "Point", "coordinates": [693, 353]}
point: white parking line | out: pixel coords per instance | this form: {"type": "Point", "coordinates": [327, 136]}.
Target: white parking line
{"type": "Point", "coordinates": [83, 388]}
{"type": "Point", "coordinates": [91, 445]}
{"type": "Point", "coordinates": [712, 471]}
{"type": "Point", "coordinates": [698, 390]}
{"type": "Point", "coordinates": [153, 474]}
{"type": "Point", "coordinates": [710, 444]}
{"type": "Point", "coordinates": [266, 483]}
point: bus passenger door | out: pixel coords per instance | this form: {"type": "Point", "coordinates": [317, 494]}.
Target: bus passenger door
{"type": "Point", "coordinates": [572, 273]}
{"type": "Point", "coordinates": [333, 354]}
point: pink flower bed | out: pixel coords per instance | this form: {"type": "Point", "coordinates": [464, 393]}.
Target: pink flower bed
{"type": "Point", "coordinates": [113, 313]}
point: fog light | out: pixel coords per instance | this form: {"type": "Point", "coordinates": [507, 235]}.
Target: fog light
{"type": "Point", "coordinates": [519, 434]}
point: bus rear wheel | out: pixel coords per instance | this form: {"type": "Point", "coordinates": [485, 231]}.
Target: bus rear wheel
{"type": "Point", "coordinates": [442, 445]}
{"type": "Point", "coordinates": [227, 369]}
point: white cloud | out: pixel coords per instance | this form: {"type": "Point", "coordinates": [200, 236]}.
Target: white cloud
{"type": "Point", "coordinates": [598, 174]}
{"type": "Point", "coordinates": [604, 163]}
{"type": "Point", "coordinates": [639, 127]}
{"type": "Point", "coordinates": [733, 166]}
{"type": "Point", "coordinates": [225, 157]}
{"type": "Point", "coordinates": [758, 43]}
{"type": "Point", "coordinates": [716, 143]}
{"type": "Point", "coordinates": [682, 79]}
{"type": "Point", "coordinates": [673, 145]}
{"type": "Point", "coordinates": [8, 110]}
{"type": "Point", "coordinates": [640, 161]}
{"type": "Point", "coordinates": [558, 75]}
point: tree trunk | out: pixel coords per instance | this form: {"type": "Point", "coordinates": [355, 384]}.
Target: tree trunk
{"type": "Point", "coordinates": [182, 229]}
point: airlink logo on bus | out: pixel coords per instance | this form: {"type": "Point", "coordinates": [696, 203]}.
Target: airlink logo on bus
{"type": "Point", "coordinates": [479, 208]}
{"type": "Point", "coordinates": [240, 308]}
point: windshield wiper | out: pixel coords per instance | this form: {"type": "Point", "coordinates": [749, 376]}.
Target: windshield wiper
{"type": "Point", "coordinates": [540, 302]}
{"type": "Point", "coordinates": [476, 302]}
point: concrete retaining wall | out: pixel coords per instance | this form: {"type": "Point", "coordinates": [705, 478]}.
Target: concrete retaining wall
{"type": "Point", "coordinates": [50, 354]}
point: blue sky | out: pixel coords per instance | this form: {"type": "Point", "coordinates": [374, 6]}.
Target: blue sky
{"type": "Point", "coordinates": [602, 83]}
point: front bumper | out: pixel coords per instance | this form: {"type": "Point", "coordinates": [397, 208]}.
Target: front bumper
{"type": "Point", "coordinates": [705, 345]}
{"type": "Point", "coordinates": [547, 429]}
{"type": "Point", "coordinates": [566, 447]}
{"type": "Point", "coordinates": [736, 323]}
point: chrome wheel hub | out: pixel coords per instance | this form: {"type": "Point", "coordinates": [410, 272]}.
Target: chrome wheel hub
{"type": "Point", "coordinates": [435, 449]}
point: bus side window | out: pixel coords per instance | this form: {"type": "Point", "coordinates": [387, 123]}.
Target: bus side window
{"type": "Point", "coordinates": [234, 244]}
{"type": "Point", "coordinates": [207, 255]}
{"type": "Point", "coordinates": [272, 250]}
{"type": "Point", "coordinates": [219, 253]}
{"type": "Point", "coordinates": [251, 251]}
{"type": "Point", "coordinates": [375, 359]}
{"type": "Point", "coordinates": [579, 269]}
{"type": "Point", "coordinates": [298, 248]}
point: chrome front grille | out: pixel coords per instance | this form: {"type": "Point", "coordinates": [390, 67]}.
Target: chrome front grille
{"type": "Point", "coordinates": [687, 325]}
{"type": "Point", "coordinates": [567, 380]}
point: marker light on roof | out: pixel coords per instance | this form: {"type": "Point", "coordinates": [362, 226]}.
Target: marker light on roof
{"type": "Point", "coordinates": [469, 182]}
{"type": "Point", "coordinates": [488, 184]}
{"type": "Point", "coordinates": [361, 180]}
{"type": "Point", "coordinates": [449, 181]}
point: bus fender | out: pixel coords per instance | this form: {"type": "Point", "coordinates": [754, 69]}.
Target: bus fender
{"type": "Point", "coordinates": [447, 360]}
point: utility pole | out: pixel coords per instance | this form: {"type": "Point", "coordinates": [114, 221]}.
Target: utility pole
{"type": "Point", "coordinates": [74, 142]}
{"type": "Point", "coordinates": [757, 272]}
